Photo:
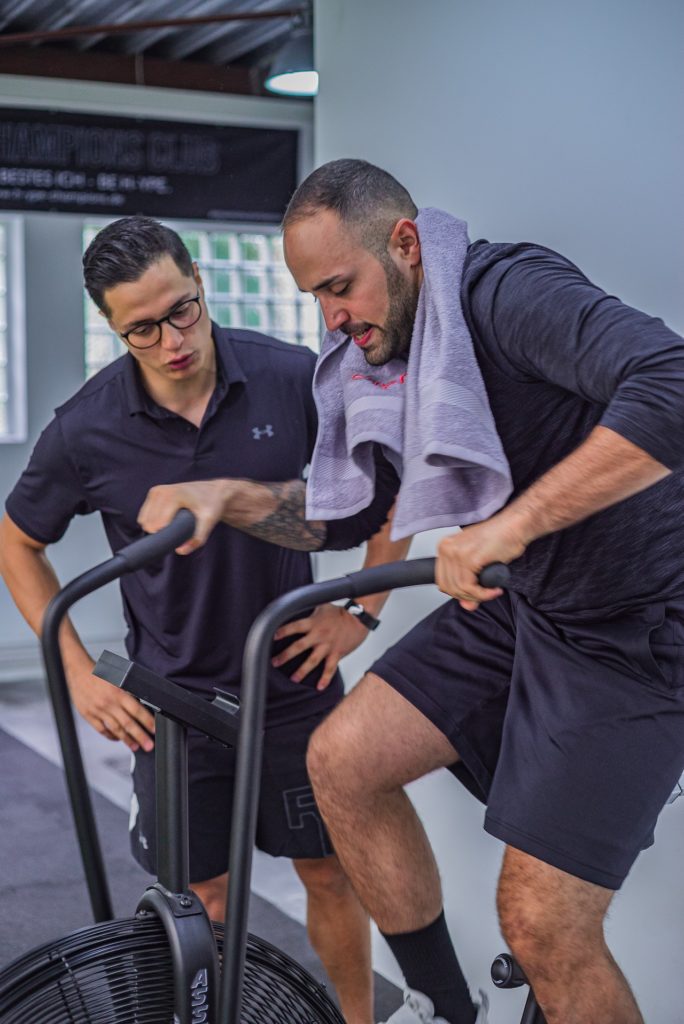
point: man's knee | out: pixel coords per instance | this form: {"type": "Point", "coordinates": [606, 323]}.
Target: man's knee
{"type": "Point", "coordinates": [323, 877]}
{"type": "Point", "coordinates": [547, 915]}
{"type": "Point", "coordinates": [322, 754]}
{"type": "Point", "coordinates": [335, 753]}
{"type": "Point", "coordinates": [529, 927]}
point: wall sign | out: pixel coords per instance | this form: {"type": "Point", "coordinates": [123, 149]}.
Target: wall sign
{"type": "Point", "coordinates": [80, 163]}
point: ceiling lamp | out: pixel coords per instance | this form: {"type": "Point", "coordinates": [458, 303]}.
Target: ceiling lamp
{"type": "Point", "coordinates": [292, 70]}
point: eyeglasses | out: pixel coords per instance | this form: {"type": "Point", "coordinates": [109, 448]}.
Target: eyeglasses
{"type": "Point", "coordinates": [186, 314]}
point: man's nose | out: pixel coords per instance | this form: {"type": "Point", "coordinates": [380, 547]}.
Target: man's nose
{"type": "Point", "coordinates": [171, 337]}
{"type": "Point", "coordinates": [334, 314]}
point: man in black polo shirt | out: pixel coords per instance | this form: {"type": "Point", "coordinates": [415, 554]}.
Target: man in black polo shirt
{"type": "Point", "coordinates": [550, 422]}
{"type": "Point", "coordinates": [189, 401]}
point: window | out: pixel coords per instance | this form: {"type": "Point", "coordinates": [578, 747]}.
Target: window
{"type": "Point", "coordinates": [246, 285]}
{"type": "Point", "coordinates": [12, 331]}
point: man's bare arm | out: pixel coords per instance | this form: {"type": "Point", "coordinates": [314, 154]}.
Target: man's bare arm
{"type": "Point", "coordinates": [286, 524]}
{"type": "Point", "coordinates": [605, 469]}
{"type": "Point", "coordinates": [32, 582]}
{"type": "Point", "coordinates": [329, 633]}
{"type": "Point", "coordinates": [270, 511]}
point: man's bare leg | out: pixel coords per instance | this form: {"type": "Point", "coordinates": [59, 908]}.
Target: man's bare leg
{"type": "Point", "coordinates": [553, 923]}
{"type": "Point", "coordinates": [339, 931]}
{"type": "Point", "coordinates": [213, 893]}
{"type": "Point", "coordinates": [338, 927]}
{"type": "Point", "coordinates": [359, 759]}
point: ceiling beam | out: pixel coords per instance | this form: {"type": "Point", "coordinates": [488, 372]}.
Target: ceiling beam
{"type": "Point", "coordinates": [128, 70]}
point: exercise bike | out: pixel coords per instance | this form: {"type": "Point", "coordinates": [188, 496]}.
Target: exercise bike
{"type": "Point", "coordinates": [162, 965]}
{"type": "Point", "coordinates": [505, 972]}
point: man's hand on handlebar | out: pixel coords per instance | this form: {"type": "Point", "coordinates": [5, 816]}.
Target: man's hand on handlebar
{"type": "Point", "coordinates": [461, 556]}
{"type": "Point", "coordinates": [112, 712]}
{"type": "Point", "coordinates": [204, 498]}
{"type": "Point", "coordinates": [329, 634]}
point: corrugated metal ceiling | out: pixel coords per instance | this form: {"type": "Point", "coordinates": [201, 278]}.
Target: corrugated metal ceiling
{"type": "Point", "coordinates": [241, 46]}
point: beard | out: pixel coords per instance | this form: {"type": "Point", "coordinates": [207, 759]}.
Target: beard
{"type": "Point", "coordinates": [395, 337]}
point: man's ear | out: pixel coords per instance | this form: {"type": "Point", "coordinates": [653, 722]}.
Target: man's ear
{"type": "Point", "coordinates": [404, 243]}
{"type": "Point", "coordinates": [196, 274]}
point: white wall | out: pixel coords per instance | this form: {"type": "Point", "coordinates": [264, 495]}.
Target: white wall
{"type": "Point", "coordinates": [55, 328]}
{"type": "Point", "coordinates": [553, 122]}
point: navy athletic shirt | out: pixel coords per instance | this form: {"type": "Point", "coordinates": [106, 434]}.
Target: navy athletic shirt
{"type": "Point", "coordinates": [188, 616]}
{"type": "Point", "coordinates": [558, 357]}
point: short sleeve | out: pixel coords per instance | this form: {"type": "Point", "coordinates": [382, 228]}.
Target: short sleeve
{"type": "Point", "coordinates": [310, 405]}
{"type": "Point", "coordinates": [49, 492]}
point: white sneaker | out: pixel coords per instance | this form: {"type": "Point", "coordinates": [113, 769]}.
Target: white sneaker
{"type": "Point", "coordinates": [418, 1009]}
{"type": "Point", "coordinates": [482, 1009]}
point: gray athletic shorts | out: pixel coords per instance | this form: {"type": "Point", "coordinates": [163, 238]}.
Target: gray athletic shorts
{"type": "Point", "coordinates": [569, 728]}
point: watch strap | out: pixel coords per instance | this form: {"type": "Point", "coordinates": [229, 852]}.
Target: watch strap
{"type": "Point", "coordinates": [359, 612]}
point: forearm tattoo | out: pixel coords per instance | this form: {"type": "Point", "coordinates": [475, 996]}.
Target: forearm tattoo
{"type": "Point", "coordinates": [287, 524]}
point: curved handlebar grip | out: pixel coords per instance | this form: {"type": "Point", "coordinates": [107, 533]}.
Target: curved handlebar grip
{"type": "Point", "coordinates": [155, 545]}
{"type": "Point", "coordinates": [496, 574]}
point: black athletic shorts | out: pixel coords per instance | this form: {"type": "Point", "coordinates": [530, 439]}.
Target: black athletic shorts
{"type": "Point", "coordinates": [569, 728]}
{"type": "Point", "coordinates": [289, 823]}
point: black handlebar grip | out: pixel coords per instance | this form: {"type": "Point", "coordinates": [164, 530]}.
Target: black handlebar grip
{"type": "Point", "coordinates": [507, 972]}
{"type": "Point", "coordinates": [155, 545]}
{"type": "Point", "coordinates": [495, 575]}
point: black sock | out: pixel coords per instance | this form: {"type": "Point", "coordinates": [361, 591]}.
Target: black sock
{"type": "Point", "coordinates": [429, 964]}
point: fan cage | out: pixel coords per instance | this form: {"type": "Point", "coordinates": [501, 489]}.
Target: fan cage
{"type": "Point", "coordinates": [120, 972]}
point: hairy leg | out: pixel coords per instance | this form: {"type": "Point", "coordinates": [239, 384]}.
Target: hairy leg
{"type": "Point", "coordinates": [359, 759]}
{"type": "Point", "coordinates": [339, 931]}
{"type": "Point", "coordinates": [553, 923]}
{"type": "Point", "coordinates": [338, 928]}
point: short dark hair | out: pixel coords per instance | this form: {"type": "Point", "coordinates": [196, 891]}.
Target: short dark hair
{"type": "Point", "coordinates": [123, 250]}
{"type": "Point", "coordinates": [363, 196]}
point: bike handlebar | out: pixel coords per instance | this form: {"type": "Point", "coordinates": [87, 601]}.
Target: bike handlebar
{"type": "Point", "coordinates": [156, 545]}
{"type": "Point", "coordinates": [126, 560]}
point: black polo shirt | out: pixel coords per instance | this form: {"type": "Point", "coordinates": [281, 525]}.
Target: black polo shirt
{"type": "Point", "coordinates": [188, 616]}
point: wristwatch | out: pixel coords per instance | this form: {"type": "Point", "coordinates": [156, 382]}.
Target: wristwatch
{"type": "Point", "coordinates": [356, 609]}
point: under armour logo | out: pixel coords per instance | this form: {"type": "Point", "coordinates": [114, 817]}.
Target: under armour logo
{"type": "Point", "coordinates": [258, 432]}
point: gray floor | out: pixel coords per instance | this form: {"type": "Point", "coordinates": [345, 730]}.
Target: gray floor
{"type": "Point", "coordinates": [43, 891]}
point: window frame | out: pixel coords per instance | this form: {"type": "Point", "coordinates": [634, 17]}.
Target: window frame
{"type": "Point", "coordinates": [218, 227]}
{"type": "Point", "coordinates": [15, 278]}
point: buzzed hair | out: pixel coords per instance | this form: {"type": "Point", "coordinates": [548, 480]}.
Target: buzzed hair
{"type": "Point", "coordinates": [122, 251]}
{"type": "Point", "coordinates": [366, 198]}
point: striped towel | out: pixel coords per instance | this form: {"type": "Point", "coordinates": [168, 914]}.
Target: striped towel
{"type": "Point", "coordinates": [431, 415]}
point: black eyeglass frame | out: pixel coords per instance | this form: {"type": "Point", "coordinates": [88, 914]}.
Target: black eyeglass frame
{"type": "Point", "coordinates": [165, 320]}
